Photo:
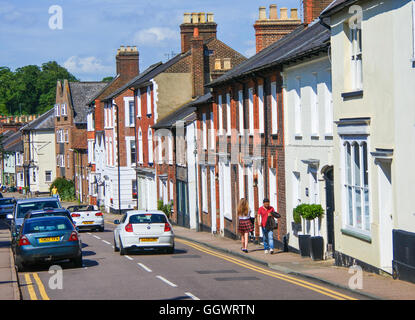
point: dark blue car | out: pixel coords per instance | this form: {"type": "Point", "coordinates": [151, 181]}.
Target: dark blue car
{"type": "Point", "coordinates": [47, 239]}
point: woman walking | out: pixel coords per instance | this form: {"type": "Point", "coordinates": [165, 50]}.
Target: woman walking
{"type": "Point", "coordinates": [245, 224]}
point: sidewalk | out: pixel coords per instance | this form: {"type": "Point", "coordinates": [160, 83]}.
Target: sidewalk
{"type": "Point", "coordinates": [9, 288]}
{"type": "Point", "coordinates": [374, 286]}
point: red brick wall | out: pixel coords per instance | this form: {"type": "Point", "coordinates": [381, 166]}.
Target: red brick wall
{"type": "Point", "coordinates": [313, 8]}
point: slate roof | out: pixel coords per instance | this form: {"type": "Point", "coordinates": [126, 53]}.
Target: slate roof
{"type": "Point", "coordinates": [44, 122]}
{"type": "Point", "coordinates": [10, 142]}
{"type": "Point", "coordinates": [336, 6]}
{"type": "Point", "coordinates": [185, 113]}
{"type": "Point", "coordinates": [81, 93]}
{"type": "Point", "coordinates": [301, 42]}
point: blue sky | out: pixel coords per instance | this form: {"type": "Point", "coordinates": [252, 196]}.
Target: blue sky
{"type": "Point", "coordinates": [93, 30]}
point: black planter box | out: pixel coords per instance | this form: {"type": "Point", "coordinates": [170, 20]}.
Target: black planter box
{"type": "Point", "coordinates": [317, 248]}
{"type": "Point", "coordinates": [304, 242]}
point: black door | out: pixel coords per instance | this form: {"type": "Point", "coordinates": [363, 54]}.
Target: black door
{"type": "Point", "coordinates": [328, 176]}
{"type": "Point", "coordinates": [183, 218]}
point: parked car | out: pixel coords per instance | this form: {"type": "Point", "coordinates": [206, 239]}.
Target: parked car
{"type": "Point", "coordinates": [47, 239]}
{"type": "Point", "coordinates": [87, 217]}
{"type": "Point", "coordinates": [23, 206]}
{"type": "Point", "coordinates": [143, 230]}
{"type": "Point", "coordinates": [49, 213]}
{"type": "Point", "coordinates": [6, 206]}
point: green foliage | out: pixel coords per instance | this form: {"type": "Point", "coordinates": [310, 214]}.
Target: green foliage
{"type": "Point", "coordinates": [30, 89]}
{"type": "Point", "coordinates": [308, 212]}
{"type": "Point", "coordinates": [107, 79]}
{"type": "Point", "coordinates": [166, 208]}
{"type": "Point", "coordinates": [66, 189]}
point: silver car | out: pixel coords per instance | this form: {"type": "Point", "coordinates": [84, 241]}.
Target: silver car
{"type": "Point", "coordinates": [145, 230]}
{"type": "Point", "coordinates": [6, 206]}
{"type": "Point", "coordinates": [87, 217]}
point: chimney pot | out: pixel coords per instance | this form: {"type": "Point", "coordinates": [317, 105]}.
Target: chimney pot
{"type": "Point", "coordinates": [202, 17]}
{"type": "Point", "coordinates": [284, 14]}
{"type": "Point", "coordinates": [273, 13]}
{"type": "Point", "coordinates": [262, 13]}
{"type": "Point", "coordinates": [187, 18]}
{"type": "Point", "coordinates": [195, 17]}
{"type": "Point", "coordinates": [294, 14]}
{"type": "Point", "coordinates": [210, 17]}
{"type": "Point", "coordinates": [196, 33]}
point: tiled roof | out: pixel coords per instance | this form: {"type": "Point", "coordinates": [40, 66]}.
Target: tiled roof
{"type": "Point", "coordinates": [44, 122]}
{"type": "Point", "coordinates": [81, 93]}
{"type": "Point", "coordinates": [10, 142]}
{"type": "Point", "coordinates": [301, 42]}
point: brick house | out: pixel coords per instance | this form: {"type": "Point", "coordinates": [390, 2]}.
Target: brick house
{"type": "Point", "coordinates": [246, 157]}
{"type": "Point", "coordinates": [71, 128]}
{"type": "Point", "coordinates": [111, 136]}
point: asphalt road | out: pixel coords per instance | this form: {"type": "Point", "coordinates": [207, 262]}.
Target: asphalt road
{"type": "Point", "coordinates": [192, 272]}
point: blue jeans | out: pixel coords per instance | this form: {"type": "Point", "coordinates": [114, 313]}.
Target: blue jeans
{"type": "Point", "coordinates": [268, 237]}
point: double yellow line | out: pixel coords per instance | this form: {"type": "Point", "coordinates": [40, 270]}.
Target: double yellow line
{"type": "Point", "coordinates": [31, 287]}
{"type": "Point", "coordinates": [305, 284]}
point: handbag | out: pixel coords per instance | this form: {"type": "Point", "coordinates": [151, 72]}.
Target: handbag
{"type": "Point", "coordinates": [272, 222]}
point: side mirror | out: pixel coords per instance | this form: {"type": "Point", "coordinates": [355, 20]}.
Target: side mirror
{"type": "Point", "coordinates": [9, 216]}
{"type": "Point", "coordinates": [117, 222]}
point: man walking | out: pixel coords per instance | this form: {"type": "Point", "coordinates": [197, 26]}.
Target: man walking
{"type": "Point", "coordinates": [268, 236]}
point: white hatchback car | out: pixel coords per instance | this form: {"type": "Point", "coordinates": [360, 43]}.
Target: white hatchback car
{"type": "Point", "coordinates": [146, 230]}
{"type": "Point", "coordinates": [87, 217]}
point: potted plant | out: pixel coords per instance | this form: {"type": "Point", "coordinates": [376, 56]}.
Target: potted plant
{"type": "Point", "coordinates": [303, 239]}
{"type": "Point", "coordinates": [313, 213]}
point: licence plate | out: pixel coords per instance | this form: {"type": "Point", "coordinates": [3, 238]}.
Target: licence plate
{"type": "Point", "coordinates": [87, 222]}
{"type": "Point", "coordinates": [51, 239]}
{"type": "Point", "coordinates": [148, 239]}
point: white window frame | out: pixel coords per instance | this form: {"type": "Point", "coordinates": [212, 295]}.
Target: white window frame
{"type": "Point", "coordinates": [149, 106]}
{"type": "Point", "coordinates": [220, 115]}
{"type": "Point", "coordinates": [150, 146]}
{"type": "Point", "coordinates": [314, 106]}
{"type": "Point", "coordinates": [140, 146]}
{"type": "Point", "coordinates": [57, 110]}
{"type": "Point", "coordinates": [251, 111]}
{"type": "Point", "coordinates": [127, 101]}
{"type": "Point", "coordinates": [328, 101]}
{"type": "Point", "coordinates": [241, 111]}
{"type": "Point", "coordinates": [128, 150]}
{"type": "Point", "coordinates": [241, 176]}
{"type": "Point", "coordinates": [138, 103]}
{"type": "Point", "coordinates": [64, 109]}
{"type": "Point", "coordinates": [297, 107]}
{"type": "Point", "coordinates": [227, 185]}
{"type": "Point", "coordinates": [204, 131]}
{"type": "Point", "coordinates": [204, 188]}
{"type": "Point", "coordinates": [261, 108]}
{"type": "Point", "coordinates": [413, 30]}
{"type": "Point", "coordinates": [212, 132]}
{"type": "Point", "coordinates": [356, 58]}
{"type": "Point", "coordinates": [228, 115]}
{"type": "Point", "coordinates": [274, 108]}
{"type": "Point", "coordinates": [46, 176]}
{"type": "Point", "coordinates": [365, 227]}
{"type": "Point", "coordinates": [170, 146]}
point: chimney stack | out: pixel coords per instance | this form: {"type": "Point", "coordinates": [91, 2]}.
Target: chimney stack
{"type": "Point", "coordinates": [127, 61]}
{"type": "Point", "coordinates": [203, 21]}
{"type": "Point", "coordinates": [198, 64]}
{"type": "Point", "coordinates": [272, 29]}
{"type": "Point", "coordinates": [313, 8]}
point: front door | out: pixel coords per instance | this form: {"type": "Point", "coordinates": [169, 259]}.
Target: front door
{"type": "Point", "coordinates": [385, 215]}
{"type": "Point", "coordinates": [328, 177]}
{"type": "Point", "coordinates": [183, 217]}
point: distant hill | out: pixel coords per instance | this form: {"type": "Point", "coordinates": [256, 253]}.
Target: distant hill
{"type": "Point", "coordinates": [30, 89]}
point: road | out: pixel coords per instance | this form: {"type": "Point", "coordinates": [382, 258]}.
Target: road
{"type": "Point", "coordinates": [191, 273]}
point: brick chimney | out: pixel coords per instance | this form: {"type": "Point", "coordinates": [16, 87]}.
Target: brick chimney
{"type": "Point", "coordinates": [313, 8]}
{"type": "Point", "coordinates": [203, 21]}
{"type": "Point", "coordinates": [127, 61]}
{"type": "Point", "coordinates": [198, 65]}
{"type": "Point", "coordinates": [271, 29]}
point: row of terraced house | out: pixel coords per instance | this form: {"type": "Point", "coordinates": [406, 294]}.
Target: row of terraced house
{"type": "Point", "coordinates": [321, 114]}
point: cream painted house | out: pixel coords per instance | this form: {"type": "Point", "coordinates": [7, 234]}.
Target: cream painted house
{"type": "Point", "coordinates": [374, 135]}
{"type": "Point", "coordinates": [308, 123]}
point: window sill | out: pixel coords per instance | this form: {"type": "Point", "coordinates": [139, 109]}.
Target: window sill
{"type": "Point", "coordinates": [356, 235]}
{"type": "Point", "coordinates": [352, 94]}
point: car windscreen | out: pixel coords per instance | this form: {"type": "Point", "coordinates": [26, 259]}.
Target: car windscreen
{"type": "Point", "coordinates": [47, 225]}
{"type": "Point", "coordinates": [6, 202]}
{"type": "Point", "coordinates": [23, 208]}
{"type": "Point", "coordinates": [147, 218]}
{"type": "Point", "coordinates": [48, 214]}
{"type": "Point", "coordinates": [81, 208]}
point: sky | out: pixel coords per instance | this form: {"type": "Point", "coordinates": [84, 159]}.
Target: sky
{"type": "Point", "coordinates": [93, 30]}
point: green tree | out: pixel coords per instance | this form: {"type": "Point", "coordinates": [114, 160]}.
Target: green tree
{"type": "Point", "coordinates": [107, 79]}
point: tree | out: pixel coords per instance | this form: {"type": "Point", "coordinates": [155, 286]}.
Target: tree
{"type": "Point", "coordinates": [107, 79]}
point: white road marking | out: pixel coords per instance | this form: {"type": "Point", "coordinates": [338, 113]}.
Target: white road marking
{"type": "Point", "coordinates": [144, 267]}
{"type": "Point", "coordinates": [129, 258]}
{"type": "Point", "coordinates": [191, 296]}
{"type": "Point", "coordinates": [166, 281]}
{"type": "Point", "coordinates": [97, 237]}
{"type": "Point", "coordinates": [106, 242]}
{"type": "Point", "coordinates": [89, 233]}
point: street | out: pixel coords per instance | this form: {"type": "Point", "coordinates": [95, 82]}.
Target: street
{"type": "Point", "coordinates": [193, 272]}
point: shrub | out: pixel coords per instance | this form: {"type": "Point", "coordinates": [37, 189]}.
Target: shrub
{"type": "Point", "coordinates": [308, 212]}
{"type": "Point", "coordinates": [166, 208]}
{"type": "Point", "coordinates": [66, 189]}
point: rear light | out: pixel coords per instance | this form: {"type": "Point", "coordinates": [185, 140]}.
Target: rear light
{"type": "Point", "coordinates": [24, 241]}
{"type": "Point", "coordinates": [75, 215]}
{"type": "Point", "coordinates": [129, 227]}
{"type": "Point", "coordinates": [167, 227]}
{"type": "Point", "coordinates": [74, 236]}
{"type": "Point", "coordinates": [98, 214]}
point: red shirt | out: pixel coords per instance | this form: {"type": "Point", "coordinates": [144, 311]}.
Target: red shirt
{"type": "Point", "coordinates": [264, 214]}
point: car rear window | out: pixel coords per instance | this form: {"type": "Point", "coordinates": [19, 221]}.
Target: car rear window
{"type": "Point", "coordinates": [81, 208]}
{"type": "Point", "coordinates": [147, 218]}
{"type": "Point", "coordinates": [49, 214]}
{"type": "Point", "coordinates": [47, 225]}
{"type": "Point", "coordinates": [5, 201]}
{"type": "Point", "coordinates": [24, 208]}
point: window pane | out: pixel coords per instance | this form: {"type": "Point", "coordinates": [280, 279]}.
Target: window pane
{"type": "Point", "coordinates": [348, 164]}
{"type": "Point", "coordinates": [358, 207]}
{"type": "Point", "coordinates": [356, 164]}
{"type": "Point", "coordinates": [350, 205]}
{"type": "Point", "coordinates": [365, 170]}
{"type": "Point", "coordinates": [367, 213]}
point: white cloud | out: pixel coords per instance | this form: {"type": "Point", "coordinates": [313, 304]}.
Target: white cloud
{"type": "Point", "coordinates": [86, 65]}
{"type": "Point", "coordinates": [156, 36]}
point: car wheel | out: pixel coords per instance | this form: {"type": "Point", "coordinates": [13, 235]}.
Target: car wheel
{"type": "Point", "coordinates": [101, 229]}
{"type": "Point", "coordinates": [77, 262]}
{"type": "Point", "coordinates": [122, 250]}
{"type": "Point", "coordinates": [116, 249]}
{"type": "Point", "coordinates": [20, 267]}
{"type": "Point", "coordinates": [170, 250]}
